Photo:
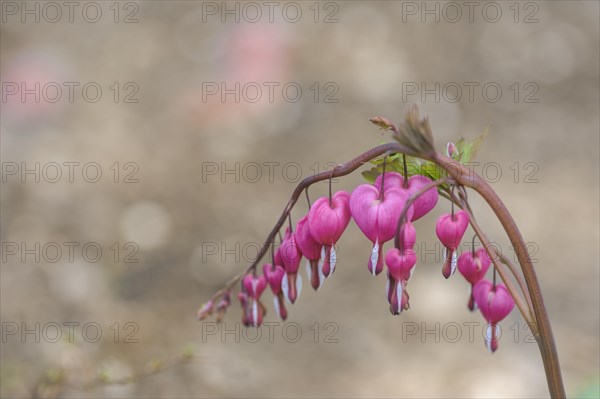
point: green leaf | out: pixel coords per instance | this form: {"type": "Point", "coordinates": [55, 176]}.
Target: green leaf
{"type": "Point", "coordinates": [468, 150]}
{"type": "Point", "coordinates": [370, 175]}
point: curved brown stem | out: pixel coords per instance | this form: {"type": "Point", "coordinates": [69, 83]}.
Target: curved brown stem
{"type": "Point", "coordinates": [464, 177]}
{"type": "Point", "coordinates": [546, 339]}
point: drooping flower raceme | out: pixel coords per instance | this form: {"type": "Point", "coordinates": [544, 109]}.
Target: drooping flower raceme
{"type": "Point", "coordinates": [327, 222]}
{"type": "Point", "coordinates": [376, 213]}
{"type": "Point", "coordinates": [473, 265]}
{"type": "Point", "coordinates": [495, 303]}
{"type": "Point", "coordinates": [450, 230]}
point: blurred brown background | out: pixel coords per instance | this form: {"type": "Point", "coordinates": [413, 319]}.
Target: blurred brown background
{"type": "Point", "coordinates": [164, 141]}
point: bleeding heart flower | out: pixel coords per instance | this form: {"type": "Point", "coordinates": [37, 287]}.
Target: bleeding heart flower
{"type": "Point", "coordinates": [291, 256]}
{"type": "Point", "coordinates": [286, 236]}
{"type": "Point", "coordinates": [392, 180]}
{"type": "Point", "coordinates": [450, 230]}
{"type": "Point", "coordinates": [274, 277]}
{"type": "Point", "coordinates": [327, 223]}
{"type": "Point", "coordinates": [243, 298]}
{"type": "Point", "coordinates": [495, 303]}
{"type": "Point", "coordinates": [254, 286]}
{"type": "Point", "coordinates": [400, 267]}
{"type": "Point", "coordinates": [377, 216]}
{"type": "Point", "coordinates": [427, 201]}
{"type": "Point", "coordinates": [311, 250]}
{"type": "Point", "coordinates": [473, 267]}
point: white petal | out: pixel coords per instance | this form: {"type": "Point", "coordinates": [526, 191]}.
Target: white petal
{"type": "Point", "coordinates": [321, 276]}
{"type": "Point", "coordinates": [387, 289]}
{"type": "Point", "coordinates": [285, 288]}
{"type": "Point", "coordinates": [488, 337]}
{"type": "Point", "coordinates": [254, 312]}
{"type": "Point", "coordinates": [276, 305]}
{"type": "Point", "coordinates": [332, 259]}
{"type": "Point", "coordinates": [308, 270]}
{"type": "Point", "coordinates": [375, 257]}
{"type": "Point", "coordinates": [412, 271]}
{"type": "Point", "coordinates": [399, 295]}
{"type": "Point", "coordinates": [322, 257]}
{"type": "Point", "coordinates": [298, 285]}
{"type": "Point", "coordinates": [453, 264]}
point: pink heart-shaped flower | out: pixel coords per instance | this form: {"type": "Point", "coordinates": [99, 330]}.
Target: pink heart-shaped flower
{"type": "Point", "coordinates": [400, 264]}
{"type": "Point", "coordinates": [328, 222]}
{"type": "Point", "coordinates": [474, 268]}
{"type": "Point", "coordinates": [495, 303]}
{"type": "Point", "coordinates": [309, 247]}
{"type": "Point", "coordinates": [274, 277]}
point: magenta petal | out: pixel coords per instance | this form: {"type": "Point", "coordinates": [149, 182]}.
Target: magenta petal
{"type": "Point", "coordinates": [327, 223]}
{"type": "Point", "coordinates": [392, 180]}
{"type": "Point", "coordinates": [474, 268]}
{"type": "Point", "coordinates": [309, 247]}
{"type": "Point", "coordinates": [496, 304]}
{"type": "Point", "coordinates": [400, 264]}
{"type": "Point", "coordinates": [451, 230]}
{"type": "Point", "coordinates": [427, 201]}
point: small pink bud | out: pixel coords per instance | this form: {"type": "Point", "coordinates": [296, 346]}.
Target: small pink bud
{"type": "Point", "coordinates": [450, 231]}
{"type": "Point", "coordinates": [495, 303]}
{"type": "Point", "coordinates": [427, 201]}
{"type": "Point", "coordinates": [327, 224]}
{"type": "Point", "coordinates": [205, 310]}
{"type": "Point", "coordinates": [222, 306]}
{"type": "Point", "coordinates": [377, 219]}
{"type": "Point", "coordinates": [451, 150]}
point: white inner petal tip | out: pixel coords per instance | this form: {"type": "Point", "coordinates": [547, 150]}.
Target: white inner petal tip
{"type": "Point", "coordinates": [453, 263]}
{"type": "Point", "coordinates": [255, 312]}
{"type": "Point", "coordinates": [308, 270]}
{"type": "Point", "coordinates": [276, 305]}
{"type": "Point", "coordinates": [375, 257]}
{"type": "Point", "coordinates": [285, 288]}
{"type": "Point", "coordinates": [399, 296]}
{"type": "Point", "coordinates": [321, 277]}
{"type": "Point", "coordinates": [387, 289]}
{"type": "Point", "coordinates": [298, 286]}
{"type": "Point", "coordinates": [332, 259]}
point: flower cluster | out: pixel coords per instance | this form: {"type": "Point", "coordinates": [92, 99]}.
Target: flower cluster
{"type": "Point", "coordinates": [383, 211]}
